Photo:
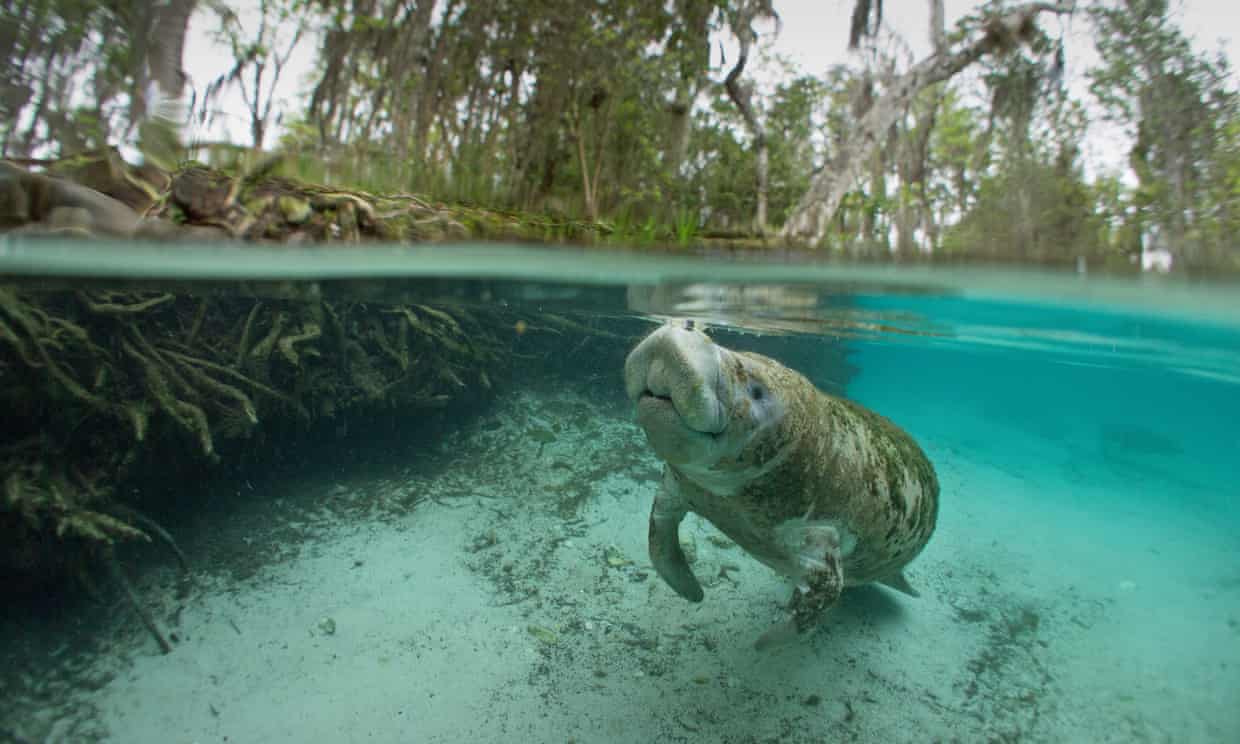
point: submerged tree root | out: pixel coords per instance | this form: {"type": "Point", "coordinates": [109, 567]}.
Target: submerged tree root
{"type": "Point", "coordinates": [109, 307]}
{"type": "Point", "coordinates": [154, 528]}
{"type": "Point", "coordinates": [42, 331]}
{"type": "Point", "coordinates": [159, 386]}
{"type": "Point", "coordinates": [241, 379]}
{"type": "Point", "coordinates": [210, 366]}
{"type": "Point", "coordinates": [118, 575]}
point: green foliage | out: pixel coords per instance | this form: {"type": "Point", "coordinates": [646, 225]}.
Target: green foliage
{"type": "Point", "coordinates": [721, 171]}
{"type": "Point", "coordinates": [628, 228]}
{"type": "Point", "coordinates": [1037, 212]}
{"type": "Point", "coordinates": [1181, 109]}
{"type": "Point", "coordinates": [687, 226]}
{"type": "Point", "coordinates": [957, 153]}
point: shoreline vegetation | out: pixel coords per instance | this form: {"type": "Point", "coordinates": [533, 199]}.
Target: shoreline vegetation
{"type": "Point", "coordinates": [248, 197]}
{"type": "Point", "coordinates": [99, 194]}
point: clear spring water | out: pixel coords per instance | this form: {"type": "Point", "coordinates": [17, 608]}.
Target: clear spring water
{"type": "Point", "coordinates": [1083, 584]}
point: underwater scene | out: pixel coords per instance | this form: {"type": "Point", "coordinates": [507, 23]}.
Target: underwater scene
{"type": "Point", "coordinates": [498, 493]}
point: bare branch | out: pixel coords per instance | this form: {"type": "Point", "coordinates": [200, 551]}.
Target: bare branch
{"type": "Point", "coordinates": [993, 33]}
{"type": "Point", "coordinates": [741, 96]}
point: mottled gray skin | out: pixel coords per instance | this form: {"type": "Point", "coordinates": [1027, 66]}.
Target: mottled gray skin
{"type": "Point", "coordinates": [816, 487]}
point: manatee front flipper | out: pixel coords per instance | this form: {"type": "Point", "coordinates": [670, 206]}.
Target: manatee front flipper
{"type": "Point", "coordinates": [819, 586]}
{"type": "Point", "coordinates": [665, 553]}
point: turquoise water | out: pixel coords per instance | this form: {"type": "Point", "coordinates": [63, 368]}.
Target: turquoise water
{"type": "Point", "coordinates": [1150, 402]}
{"type": "Point", "coordinates": [1083, 583]}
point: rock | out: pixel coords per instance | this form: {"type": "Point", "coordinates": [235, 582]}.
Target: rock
{"type": "Point", "coordinates": [545, 635]}
{"type": "Point", "coordinates": [137, 187]}
{"type": "Point", "coordinates": [27, 198]}
{"type": "Point", "coordinates": [202, 193]}
{"type": "Point", "coordinates": [108, 216]}
{"type": "Point", "coordinates": [14, 199]}
{"type": "Point", "coordinates": [205, 233]}
{"type": "Point", "coordinates": [156, 228]}
{"type": "Point", "coordinates": [295, 211]}
{"type": "Point", "coordinates": [614, 558]}
{"type": "Point", "coordinates": [69, 217]}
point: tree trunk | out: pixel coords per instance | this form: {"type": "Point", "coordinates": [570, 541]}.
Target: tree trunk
{"type": "Point", "coordinates": [428, 99]}
{"type": "Point", "coordinates": [811, 216]}
{"type": "Point", "coordinates": [258, 132]}
{"type": "Point", "coordinates": [590, 183]}
{"type": "Point", "coordinates": [938, 30]}
{"type": "Point", "coordinates": [742, 98]}
{"type": "Point", "coordinates": [694, 61]}
{"type": "Point", "coordinates": [414, 34]}
{"type": "Point", "coordinates": [587, 192]}
{"type": "Point", "coordinates": [680, 125]}
{"type": "Point", "coordinates": [914, 163]}
{"type": "Point", "coordinates": [168, 45]}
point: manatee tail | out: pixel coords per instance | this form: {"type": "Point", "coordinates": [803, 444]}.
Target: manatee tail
{"type": "Point", "coordinates": [898, 582]}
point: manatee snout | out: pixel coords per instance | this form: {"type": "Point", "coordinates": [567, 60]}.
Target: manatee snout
{"type": "Point", "coordinates": [673, 376]}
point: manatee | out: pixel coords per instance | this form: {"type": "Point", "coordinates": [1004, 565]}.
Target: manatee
{"type": "Point", "coordinates": [818, 488]}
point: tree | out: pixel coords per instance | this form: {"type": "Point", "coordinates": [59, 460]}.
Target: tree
{"type": "Point", "coordinates": [1177, 107]}
{"type": "Point", "coordinates": [995, 31]}
{"type": "Point", "coordinates": [82, 75]}
{"type": "Point", "coordinates": [259, 58]}
{"type": "Point", "coordinates": [720, 171]}
{"type": "Point", "coordinates": [741, 95]}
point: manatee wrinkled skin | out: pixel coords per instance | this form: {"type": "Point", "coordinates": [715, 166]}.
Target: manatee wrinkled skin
{"type": "Point", "coordinates": [818, 488]}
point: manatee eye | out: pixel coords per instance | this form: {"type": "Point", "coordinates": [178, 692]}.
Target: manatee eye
{"type": "Point", "coordinates": [756, 391]}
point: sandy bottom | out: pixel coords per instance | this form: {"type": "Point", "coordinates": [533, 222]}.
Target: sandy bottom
{"type": "Point", "coordinates": [495, 587]}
